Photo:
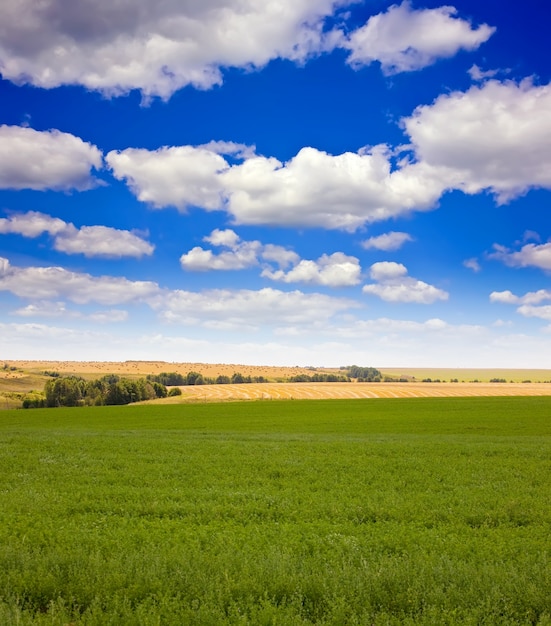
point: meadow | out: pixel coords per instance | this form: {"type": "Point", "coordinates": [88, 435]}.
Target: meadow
{"type": "Point", "coordinates": [388, 511]}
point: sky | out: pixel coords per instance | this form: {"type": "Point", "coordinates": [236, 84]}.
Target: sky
{"type": "Point", "coordinates": [299, 182]}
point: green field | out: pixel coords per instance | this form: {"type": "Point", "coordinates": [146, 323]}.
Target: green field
{"type": "Point", "coordinates": [419, 511]}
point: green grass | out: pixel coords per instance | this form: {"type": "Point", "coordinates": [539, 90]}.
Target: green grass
{"type": "Point", "coordinates": [422, 511]}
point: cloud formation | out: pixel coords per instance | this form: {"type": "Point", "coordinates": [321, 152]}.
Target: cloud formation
{"type": "Point", "coordinates": [335, 270]}
{"type": "Point", "coordinates": [159, 47]}
{"type": "Point", "coordinates": [156, 47]}
{"type": "Point", "coordinates": [313, 188]}
{"type": "Point", "coordinates": [387, 242]}
{"type": "Point", "coordinates": [91, 241]}
{"type": "Point", "coordinates": [530, 255]}
{"type": "Point", "coordinates": [39, 160]}
{"type": "Point", "coordinates": [51, 283]}
{"type": "Point", "coordinates": [330, 270]}
{"type": "Point", "coordinates": [493, 137]}
{"type": "Point", "coordinates": [404, 39]}
{"type": "Point", "coordinates": [394, 285]}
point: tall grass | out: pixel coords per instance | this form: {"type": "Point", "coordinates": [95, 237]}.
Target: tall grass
{"type": "Point", "coordinates": [429, 511]}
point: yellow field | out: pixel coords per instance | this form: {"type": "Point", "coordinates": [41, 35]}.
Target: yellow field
{"type": "Point", "coordinates": [470, 374]}
{"type": "Point", "coordinates": [313, 391]}
{"type": "Point", "coordinates": [142, 368]}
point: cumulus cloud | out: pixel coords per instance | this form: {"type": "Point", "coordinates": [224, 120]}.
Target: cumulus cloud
{"type": "Point", "coordinates": [156, 47]}
{"type": "Point", "coordinates": [404, 39]}
{"type": "Point", "coordinates": [31, 224]}
{"type": "Point", "coordinates": [335, 270]}
{"type": "Point", "coordinates": [494, 137]}
{"type": "Point", "coordinates": [394, 285]}
{"type": "Point", "coordinates": [178, 176]}
{"type": "Point", "coordinates": [198, 259]}
{"type": "Point", "coordinates": [313, 188]}
{"type": "Point", "coordinates": [50, 283]}
{"type": "Point", "coordinates": [92, 241]}
{"type": "Point", "coordinates": [542, 312]}
{"type": "Point", "coordinates": [530, 298]}
{"type": "Point", "coordinates": [387, 241]}
{"type": "Point", "coordinates": [39, 160]}
{"type": "Point", "coordinates": [529, 305]}
{"type": "Point", "coordinates": [241, 254]}
{"type": "Point", "coordinates": [530, 255]}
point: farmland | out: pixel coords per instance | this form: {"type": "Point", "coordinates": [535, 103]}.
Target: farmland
{"type": "Point", "coordinates": [18, 378]}
{"type": "Point", "coordinates": [398, 511]}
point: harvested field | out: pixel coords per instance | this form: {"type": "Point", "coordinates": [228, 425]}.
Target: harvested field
{"type": "Point", "coordinates": [142, 368]}
{"type": "Point", "coordinates": [313, 391]}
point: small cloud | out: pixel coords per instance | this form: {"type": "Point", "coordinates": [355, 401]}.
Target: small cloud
{"type": "Point", "coordinates": [472, 264]}
{"type": "Point", "coordinates": [505, 297]}
{"type": "Point", "coordinates": [388, 242]}
{"type": "Point", "coordinates": [405, 39]}
{"type": "Point", "coordinates": [530, 255]}
{"type": "Point", "coordinates": [394, 285]}
{"type": "Point", "coordinates": [335, 270]}
{"type": "Point", "coordinates": [478, 75]}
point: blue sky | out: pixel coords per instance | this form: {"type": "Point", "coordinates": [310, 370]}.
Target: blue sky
{"type": "Point", "coordinates": [300, 182]}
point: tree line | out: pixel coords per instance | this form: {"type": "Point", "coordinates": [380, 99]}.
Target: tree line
{"type": "Point", "coordinates": [171, 379]}
{"type": "Point", "coordinates": [107, 390]}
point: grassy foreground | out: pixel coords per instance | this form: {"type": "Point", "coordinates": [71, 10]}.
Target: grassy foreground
{"type": "Point", "coordinates": [419, 511]}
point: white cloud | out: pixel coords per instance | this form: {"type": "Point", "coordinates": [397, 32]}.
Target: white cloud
{"type": "Point", "coordinates": [59, 309]}
{"type": "Point", "coordinates": [44, 309]}
{"type": "Point", "coordinates": [532, 297]}
{"type": "Point", "coordinates": [227, 237]}
{"type": "Point", "coordinates": [530, 255]}
{"type": "Point", "coordinates": [472, 264]}
{"type": "Point", "coordinates": [543, 312]}
{"type": "Point", "coordinates": [477, 74]}
{"type": "Point", "coordinates": [493, 137]}
{"type": "Point", "coordinates": [387, 270]}
{"type": "Point", "coordinates": [180, 176]}
{"type": "Point", "coordinates": [199, 259]}
{"type": "Point", "coordinates": [102, 241]}
{"type": "Point", "coordinates": [404, 39]}
{"type": "Point", "coordinates": [505, 297]}
{"type": "Point", "coordinates": [394, 285]}
{"type": "Point", "coordinates": [31, 159]}
{"type": "Point", "coordinates": [241, 255]}
{"type": "Point", "coordinates": [92, 241]}
{"type": "Point", "coordinates": [335, 270]}
{"type": "Point", "coordinates": [313, 188]}
{"type": "Point", "coordinates": [317, 189]}
{"type": "Point", "coordinates": [157, 47]}
{"type": "Point", "coordinates": [47, 283]}
{"type": "Point", "coordinates": [31, 224]}
{"type": "Point", "coordinates": [279, 255]}
{"type": "Point", "coordinates": [253, 309]}
{"type": "Point", "coordinates": [387, 241]}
